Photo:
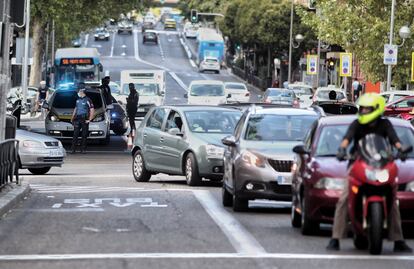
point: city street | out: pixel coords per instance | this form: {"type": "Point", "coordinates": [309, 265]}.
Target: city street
{"type": "Point", "coordinates": [91, 213]}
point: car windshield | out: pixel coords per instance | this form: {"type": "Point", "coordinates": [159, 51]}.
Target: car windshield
{"type": "Point", "coordinates": [144, 89]}
{"type": "Point", "coordinates": [235, 86]}
{"type": "Point", "coordinates": [281, 94]}
{"type": "Point", "coordinates": [67, 99]}
{"type": "Point", "coordinates": [207, 90]}
{"type": "Point", "coordinates": [212, 121]}
{"type": "Point", "coordinates": [114, 88]}
{"type": "Point", "coordinates": [270, 127]}
{"type": "Point", "coordinates": [325, 94]}
{"type": "Point", "coordinates": [301, 90]}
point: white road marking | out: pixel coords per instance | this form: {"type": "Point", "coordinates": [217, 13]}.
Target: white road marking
{"type": "Point", "coordinates": [123, 50]}
{"type": "Point", "coordinates": [122, 230]}
{"type": "Point", "coordinates": [239, 237]}
{"type": "Point", "coordinates": [86, 40]}
{"type": "Point", "coordinates": [113, 45]}
{"type": "Point", "coordinates": [62, 210]}
{"type": "Point", "coordinates": [91, 229]}
{"type": "Point", "coordinates": [161, 50]}
{"type": "Point", "coordinates": [59, 205]}
{"type": "Point", "coordinates": [193, 63]}
{"type": "Point", "coordinates": [186, 255]}
{"type": "Point", "coordinates": [96, 46]}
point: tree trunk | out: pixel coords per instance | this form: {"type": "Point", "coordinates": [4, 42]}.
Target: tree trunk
{"type": "Point", "coordinates": [38, 44]}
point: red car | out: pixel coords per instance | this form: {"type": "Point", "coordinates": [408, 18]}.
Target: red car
{"type": "Point", "coordinates": [318, 177]}
{"type": "Point", "coordinates": [401, 106]}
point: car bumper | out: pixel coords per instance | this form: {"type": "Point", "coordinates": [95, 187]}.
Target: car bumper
{"type": "Point", "coordinates": [267, 183]}
{"type": "Point", "coordinates": [406, 200]}
{"type": "Point", "coordinates": [118, 124]}
{"type": "Point", "coordinates": [322, 204]}
{"type": "Point", "coordinates": [209, 68]}
{"type": "Point", "coordinates": [143, 110]}
{"type": "Point", "coordinates": [64, 130]}
{"type": "Point", "coordinates": [211, 168]}
{"type": "Point", "coordinates": [42, 158]}
{"type": "Point", "coordinates": [244, 99]}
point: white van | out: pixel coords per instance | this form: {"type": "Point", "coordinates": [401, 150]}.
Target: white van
{"type": "Point", "coordinates": [150, 85]}
{"type": "Point", "coordinates": [206, 92]}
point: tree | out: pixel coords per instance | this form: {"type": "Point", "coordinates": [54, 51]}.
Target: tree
{"type": "Point", "coordinates": [362, 27]}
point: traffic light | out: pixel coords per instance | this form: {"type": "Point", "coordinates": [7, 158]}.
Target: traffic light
{"type": "Point", "coordinates": [330, 63]}
{"type": "Point", "coordinates": [194, 16]}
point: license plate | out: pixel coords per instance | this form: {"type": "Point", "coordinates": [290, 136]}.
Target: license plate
{"type": "Point", "coordinates": [55, 153]}
{"type": "Point", "coordinates": [112, 121]}
{"type": "Point", "coordinates": [69, 128]}
{"type": "Point", "coordinates": [141, 110]}
{"type": "Point", "coordinates": [283, 180]}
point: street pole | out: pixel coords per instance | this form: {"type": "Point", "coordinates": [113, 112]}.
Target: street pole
{"type": "Point", "coordinates": [47, 51]}
{"type": "Point", "coordinates": [52, 58]}
{"type": "Point", "coordinates": [318, 69]}
{"type": "Point", "coordinates": [25, 68]}
{"type": "Point", "coordinates": [290, 43]}
{"type": "Point", "coordinates": [391, 40]}
{"type": "Point", "coordinates": [4, 66]}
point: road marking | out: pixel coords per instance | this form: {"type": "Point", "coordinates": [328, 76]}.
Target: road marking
{"type": "Point", "coordinates": [161, 50]}
{"type": "Point", "coordinates": [239, 237]}
{"type": "Point", "coordinates": [123, 50]}
{"type": "Point", "coordinates": [146, 202]}
{"type": "Point", "coordinates": [113, 45]}
{"type": "Point", "coordinates": [91, 229]}
{"type": "Point", "coordinates": [186, 255]}
{"type": "Point", "coordinates": [193, 63]}
{"type": "Point", "coordinates": [62, 210]}
{"type": "Point", "coordinates": [86, 40]}
{"type": "Point", "coordinates": [96, 46]}
{"type": "Point", "coordinates": [59, 205]}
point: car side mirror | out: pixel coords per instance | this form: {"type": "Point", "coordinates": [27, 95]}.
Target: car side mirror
{"type": "Point", "coordinates": [175, 132]}
{"type": "Point", "coordinates": [229, 141]}
{"type": "Point", "coordinates": [228, 95]}
{"type": "Point", "coordinates": [100, 68]}
{"type": "Point", "coordinates": [310, 97]}
{"type": "Point", "coordinates": [162, 93]}
{"type": "Point", "coordinates": [186, 95]}
{"type": "Point", "coordinates": [300, 149]}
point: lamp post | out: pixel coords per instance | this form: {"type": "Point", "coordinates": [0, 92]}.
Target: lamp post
{"type": "Point", "coordinates": [298, 38]}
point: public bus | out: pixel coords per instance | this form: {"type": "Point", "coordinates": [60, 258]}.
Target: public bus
{"type": "Point", "coordinates": [73, 65]}
{"type": "Point", "coordinates": [209, 44]}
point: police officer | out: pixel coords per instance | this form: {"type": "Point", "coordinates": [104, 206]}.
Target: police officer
{"type": "Point", "coordinates": [132, 105]}
{"type": "Point", "coordinates": [106, 90]}
{"type": "Point", "coordinates": [81, 117]}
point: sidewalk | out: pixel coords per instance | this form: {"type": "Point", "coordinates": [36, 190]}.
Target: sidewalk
{"type": "Point", "coordinates": [11, 195]}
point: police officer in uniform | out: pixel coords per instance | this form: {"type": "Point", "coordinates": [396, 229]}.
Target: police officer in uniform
{"type": "Point", "coordinates": [81, 117]}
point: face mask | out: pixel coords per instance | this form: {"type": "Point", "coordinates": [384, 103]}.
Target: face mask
{"type": "Point", "coordinates": [80, 95]}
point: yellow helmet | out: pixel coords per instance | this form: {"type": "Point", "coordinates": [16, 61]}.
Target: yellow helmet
{"type": "Point", "coordinates": [371, 107]}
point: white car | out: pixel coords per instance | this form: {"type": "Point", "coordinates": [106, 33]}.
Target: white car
{"type": "Point", "coordinates": [236, 92]}
{"type": "Point", "coordinates": [206, 92]}
{"type": "Point", "coordinates": [190, 30]}
{"type": "Point", "coordinates": [303, 92]}
{"type": "Point", "coordinates": [210, 64]}
{"type": "Point", "coordinates": [393, 96]}
{"type": "Point", "coordinates": [322, 94]}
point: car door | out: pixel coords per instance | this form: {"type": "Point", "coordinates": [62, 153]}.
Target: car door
{"type": "Point", "coordinates": [152, 139]}
{"type": "Point", "coordinates": [404, 105]}
{"type": "Point", "coordinates": [174, 144]}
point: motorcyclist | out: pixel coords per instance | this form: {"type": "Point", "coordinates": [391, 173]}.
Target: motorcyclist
{"type": "Point", "coordinates": [370, 120]}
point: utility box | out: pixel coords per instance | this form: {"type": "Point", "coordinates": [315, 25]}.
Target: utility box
{"type": "Point", "coordinates": [11, 126]}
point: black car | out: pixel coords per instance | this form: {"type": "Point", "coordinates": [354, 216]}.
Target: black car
{"type": "Point", "coordinates": [150, 36]}
{"type": "Point", "coordinates": [119, 120]}
{"type": "Point", "coordinates": [336, 107]}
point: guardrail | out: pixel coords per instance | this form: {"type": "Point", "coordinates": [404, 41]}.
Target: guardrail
{"type": "Point", "coordinates": [260, 83]}
{"type": "Point", "coordinates": [9, 162]}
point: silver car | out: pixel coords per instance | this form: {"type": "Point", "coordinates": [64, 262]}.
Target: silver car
{"type": "Point", "coordinates": [38, 153]}
{"type": "Point", "coordinates": [258, 157]}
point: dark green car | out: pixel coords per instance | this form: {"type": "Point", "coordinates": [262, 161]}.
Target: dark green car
{"type": "Point", "coordinates": [183, 140]}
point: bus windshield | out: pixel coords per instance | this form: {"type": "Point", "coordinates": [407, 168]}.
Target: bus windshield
{"type": "Point", "coordinates": [76, 73]}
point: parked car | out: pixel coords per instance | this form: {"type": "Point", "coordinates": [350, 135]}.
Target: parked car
{"type": "Point", "coordinates": [392, 96]}
{"type": "Point", "coordinates": [318, 177]}
{"type": "Point", "coordinates": [125, 26]}
{"type": "Point", "coordinates": [209, 64]}
{"type": "Point", "coordinates": [401, 106]}
{"type": "Point", "coordinates": [101, 34]}
{"type": "Point", "coordinates": [77, 42]}
{"type": "Point", "coordinates": [170, 24]}
{"type": "Point", "coordinates": [182, 140]}
{"type": "Point", "coordinates": [61, 105]}
{"type": "Point", "coordinates": [236, 91]}
{"type": "Point", "coordinates": [303, 92]}
{"type": "Point", "coordinates": [280, 96]}
{"type": "Point", "coordinates": [206, 92]}
{"type": "Point", "coordinates": [39, 153]}
{"type": "Point", "coordinates": [322, 94]}
{"type": "Point", "coordinates": [150, 36]}
{"type": "Point", "coordinates": [258, 157]}
{"type": "Point", "coordinates": [119, 119]}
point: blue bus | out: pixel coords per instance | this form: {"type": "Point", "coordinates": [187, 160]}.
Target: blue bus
{"type": "Point", "coordinates": [73, 65]}
{"type": "Point", "coordinates": [209, 44]}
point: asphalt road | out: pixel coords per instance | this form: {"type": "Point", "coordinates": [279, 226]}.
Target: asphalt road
{"type": "Point", "coordinates": [92, 214]}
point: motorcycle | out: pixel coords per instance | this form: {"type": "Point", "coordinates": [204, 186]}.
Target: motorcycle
{"type": "Point", "coordinates": [372, 191]}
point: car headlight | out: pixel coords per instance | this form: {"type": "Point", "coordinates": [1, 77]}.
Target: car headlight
{"type": "Point", "coordinates": [410, 187]}
{"type": "Point", "coordinates": [99, 117]}
{"type": "Point", "coordinates": [377, 175]}
{"type": "Point", "coordinates": [330, 183]}
{"type": "Point", "coordinates": [252, 159]}
{"type": "Point", "coordinates": [214, 152]}
{"type": "Point", "coordinates": [113, 115]}
{"type": "Point", "coordinates": [107, 34]}
{"type": "Point", "coordinates": [30, 144]}
{"type": "Point", "coordinates": [96, 35]}
{"type": "Point", "coordinates": [53, 118]}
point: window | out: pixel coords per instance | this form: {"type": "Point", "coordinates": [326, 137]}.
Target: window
{"type": "Point", "coordinates": [156, 119]}
{"type": "Point", "coordinates": [239, 126]}
{"type": "Point", "coordinates": [330, 139]}
{"type": "Point", "coordinates": [174, 121]}
{"type": "Point", "coordinates": [207, 90]}
{"type": "Point", "coordinates": [407, 103]}
{"type": "Point", "coordinates": [207, 121]}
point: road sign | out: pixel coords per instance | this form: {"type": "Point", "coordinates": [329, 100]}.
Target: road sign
{"type": "Point", "coordinates": [412, 66]}
{"type": "Point", "coordinates": [311, 66]}
{"type": "Point", "coordinates": [345, 63]}
{"type": "Point", "coordinates": [390, 54]}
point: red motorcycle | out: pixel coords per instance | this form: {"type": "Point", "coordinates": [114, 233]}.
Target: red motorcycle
{"type": "Point", "coordinates": [372, 191]}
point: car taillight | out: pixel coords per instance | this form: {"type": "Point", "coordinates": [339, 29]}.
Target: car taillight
{"type": "Point", "coordinates": [314, 98]}
{"type": "Point", "coordinates": [268, 101]}
{"type": "Point", "coordinates": [295, 103]}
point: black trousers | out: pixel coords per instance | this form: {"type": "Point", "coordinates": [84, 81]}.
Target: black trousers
{"type": "Point", "coordinates": [131, 118]}
{"type": "Point", "coordinates": [80, 125]}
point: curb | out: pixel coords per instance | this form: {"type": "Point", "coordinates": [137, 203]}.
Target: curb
{"type": "Point", "coordinates": [11, 196]}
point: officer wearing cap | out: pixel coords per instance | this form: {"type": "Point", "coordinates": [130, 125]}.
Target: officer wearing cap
{"type": "Point", "coordinates": [82, 115]}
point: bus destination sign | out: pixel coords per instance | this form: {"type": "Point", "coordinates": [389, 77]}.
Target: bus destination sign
{"type": "Point", "coordinates": [79, 61]}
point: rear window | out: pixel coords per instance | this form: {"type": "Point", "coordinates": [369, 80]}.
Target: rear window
{"type": "Point", "coordinates": [235, 86]}
{"type": "Point", "coordinates": [325, 95]}
{"type": "Point", "coordinates": [207, 90]}
{"type": "Point", "coordinates": [211, 60]}
{"type": "Point", "coordinates": [280, 93]}
{"type": "Point", "coordinates": [301, 91]}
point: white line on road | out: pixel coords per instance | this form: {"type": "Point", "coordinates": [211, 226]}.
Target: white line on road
{"type": "Point", "coordinates": [86, 40]}
{"type": "Point", "coordinates": [193, 63]}
{"type": "Point", "coordinates": [62, 210]}
{"type": "Point", "coordinates": [186, 255]}
{"type": "Point", "coordinates": [113, 45]}
{"type": "Point", "coordinates": [239, 237]}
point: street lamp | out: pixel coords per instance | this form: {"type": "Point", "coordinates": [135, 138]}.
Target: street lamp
{"type": "Point", "coordinates": [298, 38]}
{"type": "Point", "coordinates": [404, 33]}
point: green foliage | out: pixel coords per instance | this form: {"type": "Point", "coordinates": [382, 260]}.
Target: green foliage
{"type": "Point", "coordinates": [362, 27]}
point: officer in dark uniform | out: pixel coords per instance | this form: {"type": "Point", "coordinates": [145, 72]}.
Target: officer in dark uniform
{"type": "Point", "coordinates": [106, 90]}
{"type": "Point", "coordinates": [82, 115]}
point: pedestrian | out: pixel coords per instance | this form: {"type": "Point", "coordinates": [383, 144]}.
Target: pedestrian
{"type": "Point", "coordinates": [132, 106]}
{"type": "Point", "coordinates": [82, 115]}
{"type": "Point", "coordinates": [42, 95]}
{"type": "Point", "coordinates": [106, 90]}
{"type": "Point", "coordinates": [357, 89]}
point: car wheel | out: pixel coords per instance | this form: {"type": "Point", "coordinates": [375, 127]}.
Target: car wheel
{"type": "Point", "coordinates": [226, 197]}
{"type": "Point", "coordinates": [191, 170]}
{"type": "Point", "coordinates": [218, 72]}
{"type": "Point", "coordinates": [309, 227]}
{"type": "Point", "coordinates": [96, 39]}
{"type": "Point", "coordinates": [295, 216]}
{"type": "Point", "coordinates": [240, 204]}
{"type": "Point", "coordinates": [39, 171]}
{"type": "Point", "coordinates": [141, 174]}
